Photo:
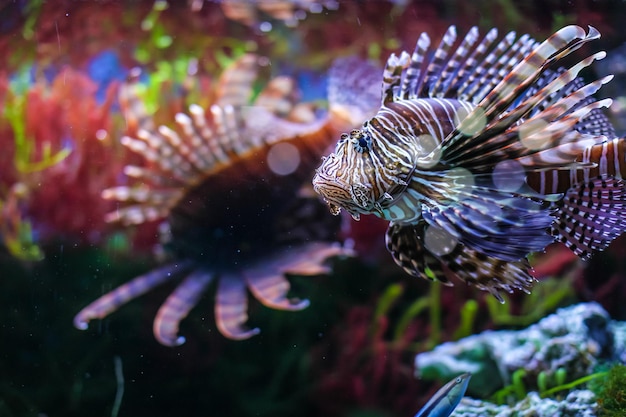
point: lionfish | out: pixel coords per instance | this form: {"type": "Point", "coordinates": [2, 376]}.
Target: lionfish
{"type": "Point", "coordinates": [484, 151]}
{"type": "Point", "coordinates": [228, 184]}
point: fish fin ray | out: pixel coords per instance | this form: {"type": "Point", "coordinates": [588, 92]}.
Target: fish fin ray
{"type": "Point", "coordinates": [591, 215]}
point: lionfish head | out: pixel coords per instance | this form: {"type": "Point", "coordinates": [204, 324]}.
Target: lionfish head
{"type": "Point", "coordinates": [345, 178]}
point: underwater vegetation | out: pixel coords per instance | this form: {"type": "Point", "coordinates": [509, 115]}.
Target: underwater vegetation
{"type": "Point", "coordinates": [563, 359]}
{"type": "Point", "coordinates": [611, 391]}
{"type": "Point", "coordinates": [166, 150]}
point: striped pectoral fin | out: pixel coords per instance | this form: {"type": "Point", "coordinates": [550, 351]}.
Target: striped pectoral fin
{"type": "Point", "coordinates": [553, 137]}
{"type": "Point", "coordinates": [497, 224]}
{"type": "Point", "coordinates": [411, 249]}
{"type": "Point", "coordinates": [488, 273]}
{"type": "Point", "coordinates": [271, 290]}
{"type": "Point", "coordinates": [482, 129]}
{"type": "Point", "coordinates": [231, 308]}
{"type": "Point", "coordinates": [178, 305]}
{"type": "Point", "coordinates": [557, 46]}
{"type": "Point", "coordinates": [113, 300]}
{"type": "Point", "coordinates": [266, 279]}
{"type": "Point", "coordinates": [591, 215]}
{"type": "Point", "coordinates": [406, 245]}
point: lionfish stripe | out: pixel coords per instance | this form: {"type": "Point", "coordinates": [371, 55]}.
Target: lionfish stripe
{"type": "Point", "coordinates": [161, 153]}
{"type": "Point", "coordinates": [140, 194]}
{"type": "Point", "coordinates": [149, 176]}
{"type": "Point", "coordinates": [184, 153]}
{"type": "Point", "coordinates": [406, 245]}
{"type": "Point", "coordinates": [560, 153]}
{"type": "Point", "coordinates": [177, 306]}
{"type": "Point", "coordinates": [488, 273]}
{"type": "Point", "coordinates": [195, 131]}
{"type": "Point", "coordinates": [213, 152]}
{"type": "Point", "coordinates": [226, 130]}
{"type": "Point", "coordinates": [447, 78]}
{"type": "Point", "coordinates": [271, 291]}
{"type": "Point", "coordinates": [113, 300]}
{"type": "Point", "coordinates": [537, 141]}
{"type": "Point", "coordinates": [392, 75]}
{"type": "Point", "coordinates": [435, 70]}
{"type": "Point", "coordinates": [137, 214]}
{"type": "Point", "coordinates": [503, 238]}
{"type": "Point", "coordinates": [478, 75]}
{"type": "Point", "coordinates": [517, 81]}
{"type": "Point", "coordinates": [231, 306]}
{"type": "Point", "coordinates": [530, 68]}
{"type": "Point", "coordinates": [503, 66]}
{"type": "Point", "coordinates": [558, 83]}
{"type": "Point", "coordinates": [592, 215]}
{"type": "Point", "coordinates": [414, 76]}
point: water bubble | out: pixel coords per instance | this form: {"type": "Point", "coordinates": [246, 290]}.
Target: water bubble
{"type": "Point", "coordinates": [283, 158]}
{"type": "Point", "coordinates": [265, 27]}
{"type": "Point", "coordinates": [438, 241]}
{"type": "Point", "coordinates": [509, 176]}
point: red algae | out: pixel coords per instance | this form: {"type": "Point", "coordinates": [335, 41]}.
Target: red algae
{"type": "Point", "coordinates": [64, 199]}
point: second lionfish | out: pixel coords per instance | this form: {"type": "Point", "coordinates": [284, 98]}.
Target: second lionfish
{"type": "Point", "coordinates": [231, 188]}
{"type": "Point", "coordinates": [482, 152]}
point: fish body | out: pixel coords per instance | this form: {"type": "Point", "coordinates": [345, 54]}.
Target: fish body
{"type": "Point", "coordinates": [482, 152]}
{"type": "Point", "coordinates": [443, 403]}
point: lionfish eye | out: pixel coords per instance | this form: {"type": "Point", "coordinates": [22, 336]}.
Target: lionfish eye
{"type": "Point", "coordinates": [362, 142]}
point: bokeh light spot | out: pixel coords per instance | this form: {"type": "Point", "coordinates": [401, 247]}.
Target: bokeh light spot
{"type": "Point", "coordinates": [534, 135]}
{"type": "Point", "coordinates": [283, 158]}
{"type": "Point", "coordinates": [473, 123]}
{"type": "Point", "coordinates": [460, 178]}
{"type": "Point", "coordinates": [438, 241]}
{"type": "Point", "coordinates": [101, 134]}
{"type": "Point", "coordinates": [509, 175]}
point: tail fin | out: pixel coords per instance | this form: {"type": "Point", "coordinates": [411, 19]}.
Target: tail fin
{"type": "Point", "coordinates": [593, 211]}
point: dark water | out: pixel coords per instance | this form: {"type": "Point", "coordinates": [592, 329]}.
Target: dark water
{"type": "Point", "coordinates": [351, 352]}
